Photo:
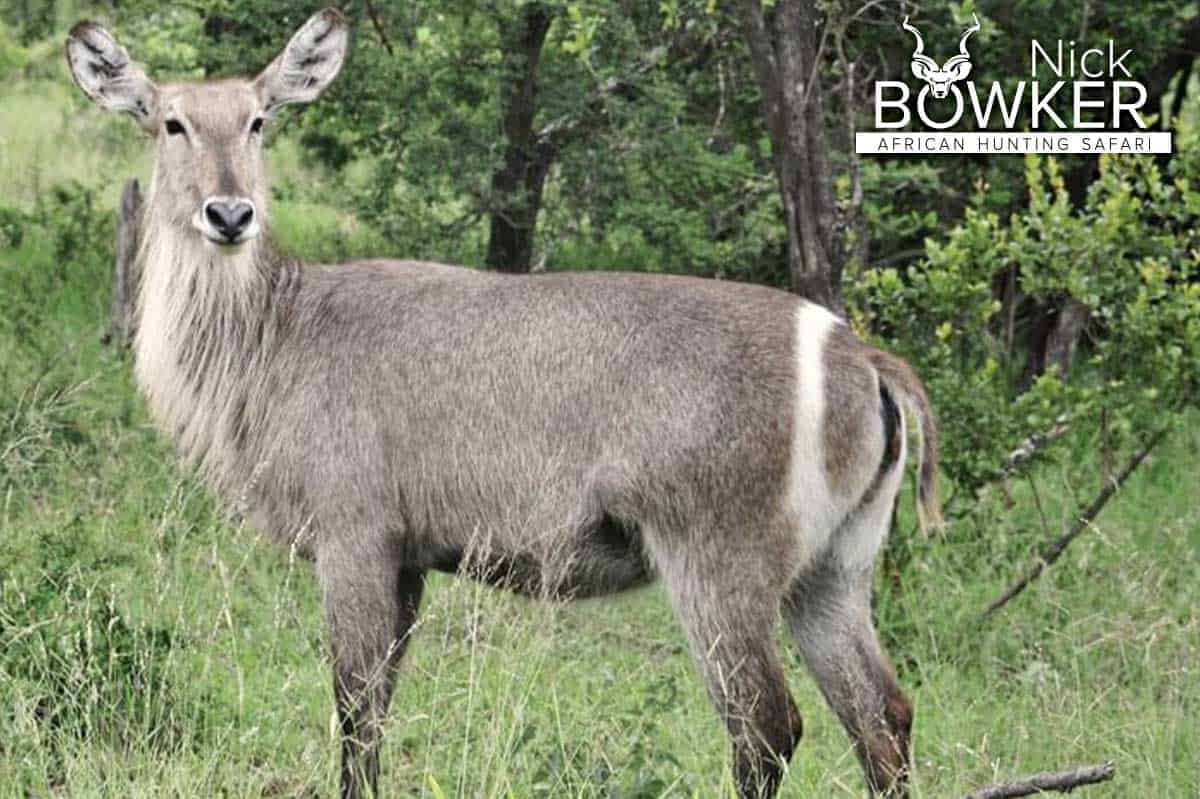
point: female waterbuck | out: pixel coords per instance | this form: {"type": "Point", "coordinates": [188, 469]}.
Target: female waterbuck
{"type": "Point", "coordinates": [561, 435]}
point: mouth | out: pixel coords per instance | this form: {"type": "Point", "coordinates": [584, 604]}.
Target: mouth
{"type": "Point", "coordinates": [222, 241]}
{"type": "Point", "coordinates": [226, 245]}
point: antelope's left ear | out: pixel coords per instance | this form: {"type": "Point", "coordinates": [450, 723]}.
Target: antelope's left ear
{"type": "Point", "coordinates": [308, 64]}
{"type": "Point", "coordinates": [958, 67]}
{"type": "Point", "coordinates": [108, 76]}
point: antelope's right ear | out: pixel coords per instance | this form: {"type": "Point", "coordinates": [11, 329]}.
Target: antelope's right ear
{"type": "Point", "coordinates": [108, 76]}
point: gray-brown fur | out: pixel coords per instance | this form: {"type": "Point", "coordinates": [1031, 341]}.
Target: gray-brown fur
{"type": "Point", "coordinates": [562, 435]}
{"type": "Point", "coordinates": [829, 613]}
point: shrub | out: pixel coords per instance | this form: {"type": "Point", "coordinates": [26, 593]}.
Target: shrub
{"type": "Point", "coordinates": [1128, 256]}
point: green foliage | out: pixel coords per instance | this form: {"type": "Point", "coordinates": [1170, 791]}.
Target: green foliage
{"type": "Point", "coordinates": [70, 237]}
{"type": "Point", "coordinates": [30, 20]}
{"type": "Point", "coordinates": [12, 227]}
{"type": "Point", "coordinates": [1129, 256]}
{"type": "Point", "coordinates": [12, 55]}
{"type": "Point", "coordinates": [167, 38]}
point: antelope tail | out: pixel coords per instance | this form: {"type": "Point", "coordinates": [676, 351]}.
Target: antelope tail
{"type": "Point", "coordinates": [905, 386]}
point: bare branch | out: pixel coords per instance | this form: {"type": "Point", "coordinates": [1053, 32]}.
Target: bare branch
{"type": "Point", "coordinates": [1061, 781]}
{"type": "Point", "coordinates": [1034, 444]}
{"type": "Point", "coordinates": [865, 7]}
{"type": "Point", "coordinates": [383, 37]}
{"type": "Point", "coordinates": [855, 220]}
{"type": "Point", "coordinates": [816, 64]}
{"type": "Point", "coordinates": [720, 120]}
{"type": "Point", "coordinates": [1055, 549]}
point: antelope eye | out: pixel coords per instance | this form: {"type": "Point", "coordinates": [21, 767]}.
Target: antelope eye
{"type": "Point", "coordinates": [174, 128]}
{"type": "Point", "coordinates": [257, 125]}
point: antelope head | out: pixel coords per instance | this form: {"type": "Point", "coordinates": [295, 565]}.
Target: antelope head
{"type": "Point", "coordinates": [954, 70]}
{"type": "Point", "coordinates": [209, 177]}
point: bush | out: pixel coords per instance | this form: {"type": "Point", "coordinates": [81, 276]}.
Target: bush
{"type": "Point", "coordinates": [63, 251]}
{"type": "Point", "coordinates": [1127, 255]}
{"type": "Point", "coordinates": [12, 55]}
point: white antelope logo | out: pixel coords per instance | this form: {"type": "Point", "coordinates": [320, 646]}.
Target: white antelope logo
{"type": "Point", "coordinates": [955, 69]}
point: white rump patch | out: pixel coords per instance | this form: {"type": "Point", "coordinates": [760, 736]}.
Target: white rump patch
{"type": "Point", "coordinates": [811, 502]}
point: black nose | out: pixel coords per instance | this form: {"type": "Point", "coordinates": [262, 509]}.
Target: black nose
{"type": "Point", "coordinates": [229, 219]}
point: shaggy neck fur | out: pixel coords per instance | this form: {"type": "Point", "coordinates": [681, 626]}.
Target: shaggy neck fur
{"type": "Point", "coordinates": [208, 322]}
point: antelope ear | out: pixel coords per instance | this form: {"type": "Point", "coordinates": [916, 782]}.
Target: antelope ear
{"type": "Point", "coordinates": [108, 76]}
{"type": "Point", "coordinates": [308, 64]}
{"type": "Point", "coordinates": [959, 67]}
{"type": "Point", "coordinates": [922, 66]}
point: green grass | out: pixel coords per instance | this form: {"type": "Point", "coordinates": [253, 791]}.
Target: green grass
{"type": "Point", "coordinates": [152, 646]}
{"type": "Point", "coordinates": [48, 134]}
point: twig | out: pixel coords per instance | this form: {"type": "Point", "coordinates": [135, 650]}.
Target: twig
{"type": "Point", "coordinates": [720, 120]}
{"type": "Point", "coordinates": [1018, 457]}
{"type": "Point", "coordinates": [902, 255]}
{"type": "Point", "coordinates": [1034, 444]}
{"type": "Point", "coordinates": [1062, 781]}
{"type": "Point", "coordinates": [383, 37]}
{"type": "Point", "coordinates": [1037, 501]}
{"type": "Point", "coordinates": [1052, 552]}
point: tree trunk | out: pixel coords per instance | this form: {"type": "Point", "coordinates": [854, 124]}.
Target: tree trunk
{"type": "Point", "coordinates": [784, 48]}
{"type": "Point", "coordinates": [1040, 326]}
{"type": "Point", "coordinates": [517, 185]}
{"type": "Point", "coordinates": [1053, 338]}
{"type": "Point", "coordinates": [122, 317]}
{"type": "Point", "coordinates": [1064, 336]}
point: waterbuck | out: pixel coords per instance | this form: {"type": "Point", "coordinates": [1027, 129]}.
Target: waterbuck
{"type": "Point", "coordinates": [561, 435]}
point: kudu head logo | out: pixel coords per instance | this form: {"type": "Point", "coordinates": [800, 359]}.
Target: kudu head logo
{"type": "Point", "coordinates": [954, 70]}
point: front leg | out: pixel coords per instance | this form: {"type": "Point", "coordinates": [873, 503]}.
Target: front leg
{"type": "Point", "coordinates": [371, 602]}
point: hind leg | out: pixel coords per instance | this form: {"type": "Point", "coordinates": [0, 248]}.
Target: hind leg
{"type": "Point", "coordinates": [829, 613]}
{"type": "Point", "coordinates": [730, 617]}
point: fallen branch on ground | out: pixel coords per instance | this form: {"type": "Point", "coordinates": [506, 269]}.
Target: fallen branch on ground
{"type": "Point", "coordinates": [1063, 781]}
{"type": "Point", "coordinates": [1052, 552]}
